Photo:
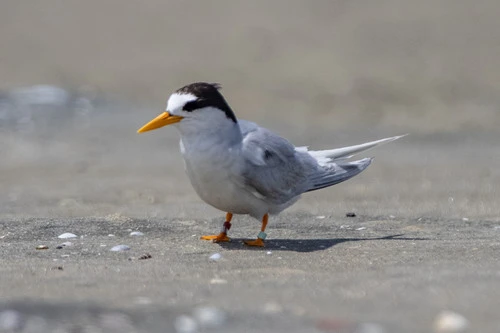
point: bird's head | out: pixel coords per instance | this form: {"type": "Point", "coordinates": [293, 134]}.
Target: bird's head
{"type": "Point", "coordinates": [195, 107]}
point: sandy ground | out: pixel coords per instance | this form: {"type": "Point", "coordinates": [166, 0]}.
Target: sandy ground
{"type": "Point", "coordinates": [425, 238]}
{"type": "Point", "coordinates": [325, 74]}
{"type": "Point", "coordinates": [331, 273]}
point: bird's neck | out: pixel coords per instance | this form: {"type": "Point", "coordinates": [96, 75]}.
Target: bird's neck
{"type": "Point", "coordinates": [223, 136]}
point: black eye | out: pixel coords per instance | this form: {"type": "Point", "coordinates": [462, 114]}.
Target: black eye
{"type": "Point", "coordinates": [193, 105]}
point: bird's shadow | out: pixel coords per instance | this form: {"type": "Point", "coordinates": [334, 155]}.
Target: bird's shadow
{"type": "Point", "coordinates": [308, 245]}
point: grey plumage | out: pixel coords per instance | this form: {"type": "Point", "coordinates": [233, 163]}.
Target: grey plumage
{"type": "Point", "coordinates": [278, 171]}
{"type": "Point", "coordinates": [335, 173]}
{"type": "Point", "coordinates": [275, 170]}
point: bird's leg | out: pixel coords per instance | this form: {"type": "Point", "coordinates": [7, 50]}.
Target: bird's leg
{"type": "Point", "coordinates": [262, 235]}
{"type": "Point", "coordinates": [222, 237]}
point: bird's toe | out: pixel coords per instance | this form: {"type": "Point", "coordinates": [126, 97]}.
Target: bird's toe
{"type": "Point", "coordinates": [258, 242]}
{"type": "Point", "coordinates": [220, 238]}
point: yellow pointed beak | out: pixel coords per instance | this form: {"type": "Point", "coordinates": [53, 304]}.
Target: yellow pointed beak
{"type": "Point", "coordinates": [163, 119]}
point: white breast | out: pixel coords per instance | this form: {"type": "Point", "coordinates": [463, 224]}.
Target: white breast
{"type": "Point", "coordinates": [213, 170]}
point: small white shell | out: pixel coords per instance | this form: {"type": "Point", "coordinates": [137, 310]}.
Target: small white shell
{"type": "Point", "coordinates": [185, 324]}
{"type": "Point", "coordinates": [120, 248]}
{"type": "Point", "coordinates": [218, 281]}
{"type": "Point", "coordinates": [67, 235]}
{"type": "Point", "coordinates": [215, 257]}
{"type": "Point", "coordinates": [450, 322]}
{"type": "Point", "coordinates": [10, 320]}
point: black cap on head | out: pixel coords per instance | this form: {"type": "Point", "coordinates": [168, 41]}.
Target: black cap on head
{"type": "Point", "coordinates": [207, 95]}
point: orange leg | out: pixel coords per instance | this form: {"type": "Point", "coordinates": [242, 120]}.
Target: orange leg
{"type": "Point", "coordinates": [222, 237]}
{"type": "Point", "coordinates": [262, 235]}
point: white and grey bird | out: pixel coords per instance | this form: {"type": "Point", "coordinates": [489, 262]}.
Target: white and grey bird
{"type": "Point", "coordinates": [241, 168]}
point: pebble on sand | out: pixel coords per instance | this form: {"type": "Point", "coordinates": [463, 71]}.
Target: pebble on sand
{"type": "Point", "coordinates": [120, 248]}
{"type": "Point", "coordinates": [67, 235]}
{"type": "Point", "coordinates": [336, 325]}
{"type": "Point", "coordinates": [10, 321]}
{"type": "Point", "coordinates": [185, 324]}
{"type": "Point", "coordinates": [350, 214]}
{"type": "Point", "coordinates": [145, 256]}
{"type": "Point", "coordinates": [215, 257]}
{"type": "Point", "coordinates": [42, 247]}
{"type": "Point", "coordinates": [450, 322]}
{"type": "Point", "coordinates": [136, 233]}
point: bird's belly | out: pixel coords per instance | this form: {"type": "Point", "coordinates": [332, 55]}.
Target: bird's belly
{"type": "Point", "coordinates": [216, 187]}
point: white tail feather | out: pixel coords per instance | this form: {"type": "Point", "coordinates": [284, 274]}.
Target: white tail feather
{"type": "Point", "coordinates": [326, 156]}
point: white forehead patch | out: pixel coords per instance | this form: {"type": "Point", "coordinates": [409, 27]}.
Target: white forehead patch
{"type": "Point", "coordinates": [177, 101]}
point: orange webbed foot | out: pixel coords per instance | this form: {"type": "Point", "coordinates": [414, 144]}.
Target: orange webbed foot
{"type": "Point", "coordinates": [220, 238]}
{"type": "Point", "coordinates": [258, 242]}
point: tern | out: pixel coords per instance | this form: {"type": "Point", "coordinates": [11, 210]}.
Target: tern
{"type": "Point", "coordinates": [239, 167]}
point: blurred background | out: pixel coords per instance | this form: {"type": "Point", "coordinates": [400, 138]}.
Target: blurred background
{"type": "Point", "coordinates": [77, 78]}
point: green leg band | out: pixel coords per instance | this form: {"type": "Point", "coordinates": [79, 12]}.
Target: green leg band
{"type": "Point", "coordinates": [262, 235]}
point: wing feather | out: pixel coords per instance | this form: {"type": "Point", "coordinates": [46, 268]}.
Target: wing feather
{"type": "Point", "coordinates": [274, 169]}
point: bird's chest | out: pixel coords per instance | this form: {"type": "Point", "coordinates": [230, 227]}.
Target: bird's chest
{"type": "Point", "coordinates": [211, 171]}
